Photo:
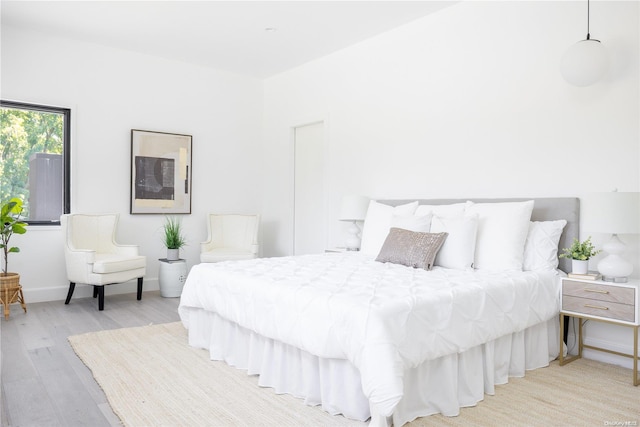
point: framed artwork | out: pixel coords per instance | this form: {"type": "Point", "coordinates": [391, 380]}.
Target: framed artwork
{"type": "Point", "coordinates": [160, 173]}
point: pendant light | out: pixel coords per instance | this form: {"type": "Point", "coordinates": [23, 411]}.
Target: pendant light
{"type": "Point", "coordinates": [585, 62]}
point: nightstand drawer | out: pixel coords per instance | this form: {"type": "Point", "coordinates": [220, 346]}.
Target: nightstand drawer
{"type": "Point", "coordinates": [595, 291]}
{"type": "Point", "coordinates": [593, 307]}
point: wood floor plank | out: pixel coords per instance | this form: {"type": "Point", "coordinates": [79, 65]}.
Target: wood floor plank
{"type": "Point", "coordinates": [82, 372]}
{"type": "Point", "coordinates": [16, 364]}
{"type": "Point", "coordinates": [43, 382]}
{"type": "Point", "coordinates": [3, 406]}
{"type": "Point", "coordinates": [61, 383]}
{"type": "Point", "coordinates": [28, 404]}
{"type": "Point", "coordinates": [32, 332]}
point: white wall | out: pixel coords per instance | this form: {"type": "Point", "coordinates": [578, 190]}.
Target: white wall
{"type": "Point", "coordinates": [111, 92]}
{"type": "Point", "coordinates": [467, 102]}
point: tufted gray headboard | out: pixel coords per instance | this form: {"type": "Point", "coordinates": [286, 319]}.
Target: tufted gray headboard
{"type": "Point", "coordinates": [544, 209]}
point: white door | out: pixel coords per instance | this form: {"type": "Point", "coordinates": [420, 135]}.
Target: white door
{"type": "Point", "coordinates": [309, 197]}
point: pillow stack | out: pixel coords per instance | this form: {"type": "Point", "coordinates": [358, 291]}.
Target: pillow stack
{"type": "Point", "coordinates": [463, 236]}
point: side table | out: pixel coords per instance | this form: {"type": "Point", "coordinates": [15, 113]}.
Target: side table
{"type": "Point", "coordinates": [11, 292]}
{"type": "Point", "coordinates": [616, 303]}
{"type": "Point", "coordinates": [171, 277]}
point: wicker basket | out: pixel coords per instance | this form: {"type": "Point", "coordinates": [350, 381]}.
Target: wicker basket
{"type": "Point", "coordinates": [9, 280]}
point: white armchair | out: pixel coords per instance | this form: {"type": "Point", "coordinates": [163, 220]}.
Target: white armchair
{"type": "Point", "coordinates": [94, 258]}
{"type": "Point", "coordinates": [230, 237]}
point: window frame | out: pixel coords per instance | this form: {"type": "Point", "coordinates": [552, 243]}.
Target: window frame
{"type": "Point", "coordinates": [66, 147]}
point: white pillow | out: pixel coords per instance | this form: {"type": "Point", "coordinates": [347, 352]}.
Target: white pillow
{"type": "Point", "coordinates": [421, 223]}
{"type": "Point", "coordinates": [541, 247]}
{"type": "Point", "coordinates": [459, 248]}
{"type": "Point", "coordinates": [442, 210]}
{"type": "Point", "coordinates": [378, 222]}
{"type": "Point", "coordinates": [502, 232]}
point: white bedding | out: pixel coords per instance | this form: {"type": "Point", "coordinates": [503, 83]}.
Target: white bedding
{"type": "Point", "coordinates": [383, 318]}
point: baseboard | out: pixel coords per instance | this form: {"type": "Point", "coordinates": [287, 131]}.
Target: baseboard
{"type": "Point", "coordinates": [59, 293]}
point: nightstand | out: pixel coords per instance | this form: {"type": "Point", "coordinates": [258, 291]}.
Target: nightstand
{"type": "Point", "coordinates": [616, 303]}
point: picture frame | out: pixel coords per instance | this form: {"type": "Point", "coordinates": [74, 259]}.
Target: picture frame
{"type": "Point", "coordinates": [160, 172]}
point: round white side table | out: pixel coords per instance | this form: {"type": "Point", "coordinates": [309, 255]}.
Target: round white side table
{"type": "Point", "coordinates": [172, 277]}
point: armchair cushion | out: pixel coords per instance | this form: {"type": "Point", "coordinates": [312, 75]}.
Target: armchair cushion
{"type": "Point", "coordinates": [226, 254]}
{"type": "Point", "coordinates": [113, 263]}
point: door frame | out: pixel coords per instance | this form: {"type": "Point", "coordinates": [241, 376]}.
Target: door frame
{"type": "Point", "coordinates": [325, 195]}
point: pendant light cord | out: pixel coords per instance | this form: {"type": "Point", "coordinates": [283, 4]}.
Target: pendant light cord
{"type": "Point", "coordinates": [588, 10]}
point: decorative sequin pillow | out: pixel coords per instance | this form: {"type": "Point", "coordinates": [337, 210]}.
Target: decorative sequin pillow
{"type": "Point", "coordinates": [411, 248]}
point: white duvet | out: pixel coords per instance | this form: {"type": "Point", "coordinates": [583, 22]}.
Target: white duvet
{"type": "Point", "coordinates": [384, 318]}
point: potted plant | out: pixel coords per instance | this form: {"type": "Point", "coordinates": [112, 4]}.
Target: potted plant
{"type": "Point", "coordinates": [10, 223]}
{"type": "Point", "coordinates": [173, 238]}
{"type": "Point", "coordinates": [579, 253]}
{"type": "Point", "coordinates": [10, 213]}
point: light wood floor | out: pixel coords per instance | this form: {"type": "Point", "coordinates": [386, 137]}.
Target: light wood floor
{"type": "Point", "coordinates": [43, 381]}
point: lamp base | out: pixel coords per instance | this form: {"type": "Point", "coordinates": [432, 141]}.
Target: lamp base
{"type": "Point", "coordinates": [614, 279]}
{"type": "Point", "coordinates": [613, 267]}
{"type": "Point", "coordinates": [353, 241]}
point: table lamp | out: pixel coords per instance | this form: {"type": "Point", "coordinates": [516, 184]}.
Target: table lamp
{"type": "Point", "coordinates": [616, 213]}
{"type": "Point", "coordinates": [353, 208]}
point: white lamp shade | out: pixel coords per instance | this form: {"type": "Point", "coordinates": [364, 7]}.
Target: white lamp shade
{"type": "Point", "coordinates": [584, 63]}
{"type": "Point", "coordinates": [353, 208]}
{"type": "Point", "coordinates": [613, 212]}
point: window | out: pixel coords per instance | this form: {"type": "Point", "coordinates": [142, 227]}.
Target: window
{"type": "Point", "coordinates": [34, 159]}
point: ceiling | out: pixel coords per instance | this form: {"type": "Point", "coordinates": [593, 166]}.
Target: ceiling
{"type": "Point", "coordinates": [256, 38]}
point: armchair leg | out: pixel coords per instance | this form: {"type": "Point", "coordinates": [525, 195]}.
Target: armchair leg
{"type": "Point", "coordinates": [72, 286]}
{"type": "Point", "coordinates": [100, 290]}
{"type": "Point", "coordinates": [139, 288]}
{"type": "Point", "coordinates": [95, 291]}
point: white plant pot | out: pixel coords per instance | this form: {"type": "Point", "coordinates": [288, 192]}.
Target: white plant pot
{"type": "Point", "coordinates": [579, 266]}
{"type": "Point", "coordinates": [173, 254]}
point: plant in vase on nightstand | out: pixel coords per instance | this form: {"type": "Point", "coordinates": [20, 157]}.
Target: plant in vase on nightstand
{"type": "Point", "coordinates": [173, 238]}
{"type": "Point", "coordinates": [579, 253]}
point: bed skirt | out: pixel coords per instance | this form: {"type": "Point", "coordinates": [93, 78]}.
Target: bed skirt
{"type": "Point", "coordinates": [443, 385]}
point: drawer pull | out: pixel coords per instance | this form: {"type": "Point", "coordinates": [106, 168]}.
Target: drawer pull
{"type": "Point", "coordinates": [598, 291]}
{"type": "Point", "coordinates": [599, 307]}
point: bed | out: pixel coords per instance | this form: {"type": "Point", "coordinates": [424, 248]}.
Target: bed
{"type": "Point", "coordinates": [386, 342]}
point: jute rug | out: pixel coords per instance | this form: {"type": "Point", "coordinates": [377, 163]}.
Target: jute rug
{"type": "Point", "coordinates": [151, 377]}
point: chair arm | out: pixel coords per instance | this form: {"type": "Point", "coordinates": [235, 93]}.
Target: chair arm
{"type": "Point", "coordinates": [79, 264]}
{"type": "Point", "coordinates": [205, 246]}
{"type": "Point", "coordinates": [129, 250]}
{"type": "Point", "coordinates": [80, 256]}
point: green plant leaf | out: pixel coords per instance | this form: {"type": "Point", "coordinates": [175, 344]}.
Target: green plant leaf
{"type": "Point", "coordinates": [173, 237]}
{"type": "Point", "coordinates": [11, 223]}
{"type": "Point", "coordinates": [580, 250]}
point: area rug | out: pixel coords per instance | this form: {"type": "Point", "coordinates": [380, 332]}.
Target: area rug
{"type": "Point", "coordinates": [152, 377]}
